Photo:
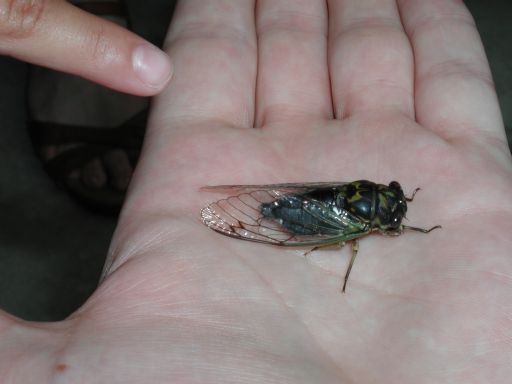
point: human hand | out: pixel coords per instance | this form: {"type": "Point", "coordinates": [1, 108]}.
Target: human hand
{"type": "Point", "coordinates": [56, 34]}
{"type": "Point", "coordinates": [401, 94]}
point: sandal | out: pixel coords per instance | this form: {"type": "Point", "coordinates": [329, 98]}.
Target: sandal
{"type": "Point", "coordinates": [87, 136]}
{"type": "Point", "coordinates": [73, 168]}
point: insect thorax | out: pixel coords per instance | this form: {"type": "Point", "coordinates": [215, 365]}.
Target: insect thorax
{"type": "Point", "coordinates": [383, 206]}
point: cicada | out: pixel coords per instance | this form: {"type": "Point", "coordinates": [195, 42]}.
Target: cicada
{"type": "Point", "coordinates": [310, 214]}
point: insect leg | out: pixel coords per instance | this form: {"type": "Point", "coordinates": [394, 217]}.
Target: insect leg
{"type": "Point", "coordinates": [340, 244]}
{"type": "Point", "coordinates": [413, 194]}
{"type": "Point", "coordinates": [311, 250]}
{"type": "Point", "coordinates": [355, 248]}
{"type": "Point", "coordinates": [422, 230]}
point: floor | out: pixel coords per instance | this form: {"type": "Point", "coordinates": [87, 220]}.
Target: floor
{"type": "Point", "coordinates": [51, 249]}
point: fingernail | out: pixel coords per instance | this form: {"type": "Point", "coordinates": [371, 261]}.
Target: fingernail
{"type": "Point", "coordinates": [152, 66]}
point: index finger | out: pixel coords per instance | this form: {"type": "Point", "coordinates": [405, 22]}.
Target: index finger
{"type": "Point", "coordinates": [58, 35]}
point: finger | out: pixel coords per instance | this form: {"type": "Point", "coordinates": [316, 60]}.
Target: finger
{"type": "Point", "coordinates": [455, 95]}
{"type": "Point", "coordinates": [370, 60]}
{"type": "Point", "coordinates": [293, 80]}
{"type": "Point", "coordinates": [58, 35]}
{"type": "Point", "coordinates": [213, 45]}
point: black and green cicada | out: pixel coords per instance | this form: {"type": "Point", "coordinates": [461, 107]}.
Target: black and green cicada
{"type": "Point", "coordinates": [310, 214]}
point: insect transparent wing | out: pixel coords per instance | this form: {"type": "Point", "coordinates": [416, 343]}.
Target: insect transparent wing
{"type": "Point", "coordinates": [279, 189]}
{"type": "Point", "coordinates": [343, 220]}
{"type": "Point", "coordinates": [240, 217]}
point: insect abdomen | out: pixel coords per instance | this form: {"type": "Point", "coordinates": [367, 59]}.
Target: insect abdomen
{"type": "Point", "coordinates": [289, 213]}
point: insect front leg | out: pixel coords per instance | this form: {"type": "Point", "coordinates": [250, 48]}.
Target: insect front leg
{"type": "Point", "coordinates": [413, 194]}
{"type": "Point", "coordinates": [355, 248]}
{"type": "Point", "coordinates": [422, 230]}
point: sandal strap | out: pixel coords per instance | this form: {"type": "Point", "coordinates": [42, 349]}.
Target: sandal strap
{"type": "Point", "coordinates": [61, 166]}
{"type": "Point", "coordinates": [128, 135]}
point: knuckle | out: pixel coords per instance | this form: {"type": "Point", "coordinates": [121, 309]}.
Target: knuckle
{"type": "Point", "coordinates": [101, 48]}
{"type": "Point", "coordinates": [19, 18]}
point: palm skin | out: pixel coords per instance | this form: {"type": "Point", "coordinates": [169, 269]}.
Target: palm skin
{"type": "Point", "coordinates": [417, 303]}
{"type": "Point", "coordinates": [181, 303]}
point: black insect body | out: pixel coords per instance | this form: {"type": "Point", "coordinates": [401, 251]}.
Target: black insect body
{"type": "Point", "coordinates": [290, 213]}
{"type": "Point", "coordinates": [315, 214]}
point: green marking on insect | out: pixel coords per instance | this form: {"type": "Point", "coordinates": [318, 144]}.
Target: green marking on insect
{"type": "Point", "coordinates": [309, 214]}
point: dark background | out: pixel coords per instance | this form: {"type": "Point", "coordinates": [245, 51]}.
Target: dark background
{"type": "Point", "coordinates": [51, 249]}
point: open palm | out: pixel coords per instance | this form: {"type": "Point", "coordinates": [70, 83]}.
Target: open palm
{"type": "Point", "coordinates": [401, 93]}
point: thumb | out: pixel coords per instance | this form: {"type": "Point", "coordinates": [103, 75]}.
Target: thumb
{"type": "Point", "coordinates": [56, 34]}
{"type": "Point", "coordinates": [26, 351]}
